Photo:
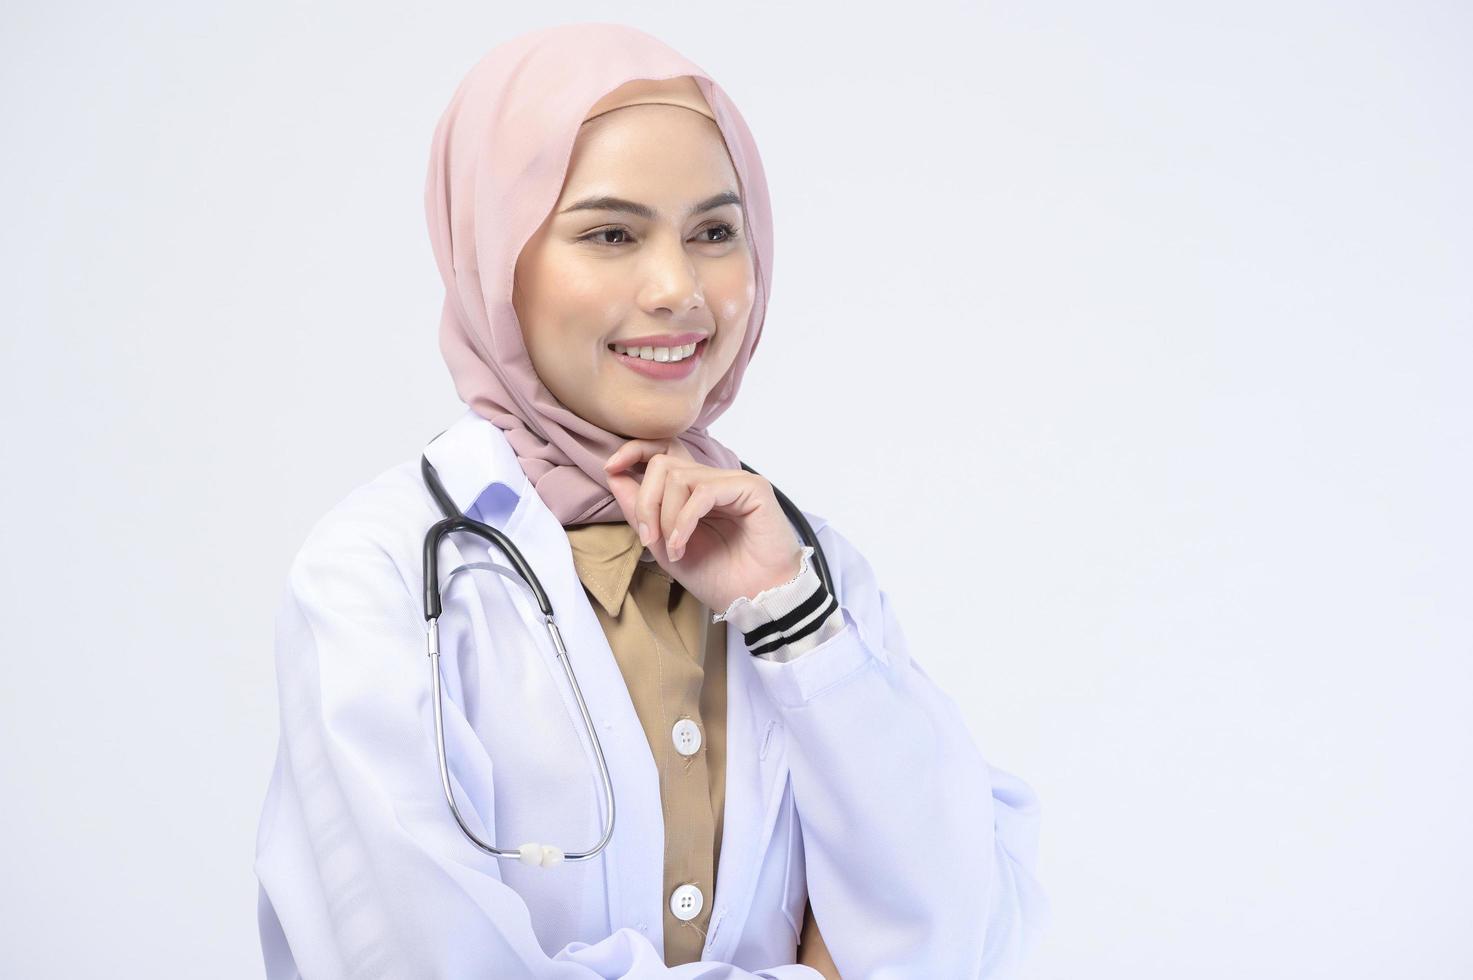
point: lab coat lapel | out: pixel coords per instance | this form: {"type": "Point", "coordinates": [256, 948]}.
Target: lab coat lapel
{"type": "Point", "coordinates": [756, 759]}
{"type": "Point", "coordinates": [471, 457]}
{"type": "Point", "coordinates": [635, 858]}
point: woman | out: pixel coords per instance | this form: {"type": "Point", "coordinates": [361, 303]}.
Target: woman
{"type": "Point", "coordinates": [795, 798]}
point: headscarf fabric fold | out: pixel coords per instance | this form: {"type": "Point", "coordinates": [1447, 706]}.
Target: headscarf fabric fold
{"type": "Point", "coordinates": [498, 160]}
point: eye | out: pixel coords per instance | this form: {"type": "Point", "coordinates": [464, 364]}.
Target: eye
{"type": "Point", "coordinates": [728, 233]}
{"type": "Point", "coordinates": [598, 236]}
{"type": "Point", "coordinates": [591, 236]}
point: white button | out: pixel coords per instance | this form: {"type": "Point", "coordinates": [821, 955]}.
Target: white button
{"type": "Point", "coordinates": [686, 902]}
{"type": "Point", "coordinates": [687, 736]}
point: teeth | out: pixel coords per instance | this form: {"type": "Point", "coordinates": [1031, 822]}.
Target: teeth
{"type": "Point", "coordinates": [657, 353]}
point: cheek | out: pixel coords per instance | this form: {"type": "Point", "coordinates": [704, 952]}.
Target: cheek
{"type": "Point", "coordinates": [571, 287]}
{"type": "Point", "coordinates": [586, 311]}
{"type": "Point", "coordinates": [581, 296]}
{"type": "Point", "coordinates": [609, 313]}
{"type": "Point", "coordinates": [732, 305]}
{"type": "Point", "coordinates": [732, 295]}
{"type": "Point", "coordinates": [729, 310]}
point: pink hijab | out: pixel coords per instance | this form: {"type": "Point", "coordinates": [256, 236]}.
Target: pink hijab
{"type": "Point", "coordinates": [500, 154]}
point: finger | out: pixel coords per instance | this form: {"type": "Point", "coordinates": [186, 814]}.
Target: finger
{"type": "Point", "coordinates": [626, 492]}
{"type": "Point", "coordinates": [632, 453]}
{"type": "Point", "coordinates": [698, 502]}
{"type": "Point", "coordinates": [637, 451]}
{"type": "Point", "coordinates": [677, 489]}
{"type": "Point", "coordinates": [721, 489]}
{"type": "Point", "coordinates": [616, 460]}
{"type": "Point", "coordinates": [647, 501]}
{"type": "Point", "coordinates": [682, 483]}
{"type": "Point", "coordinates": [624, 488]}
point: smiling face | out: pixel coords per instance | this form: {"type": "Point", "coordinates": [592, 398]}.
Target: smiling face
{"type": "Point", "coordinates": [647, 240]}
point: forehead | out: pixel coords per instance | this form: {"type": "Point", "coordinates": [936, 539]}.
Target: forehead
{"type": "Point", "coordinates": [663, 150]}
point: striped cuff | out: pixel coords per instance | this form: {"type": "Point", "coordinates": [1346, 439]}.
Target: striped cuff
{"type": "Point", "coordinates": [788, 620]}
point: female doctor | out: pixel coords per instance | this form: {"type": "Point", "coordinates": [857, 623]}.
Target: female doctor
{"type": "Point", "coordinates": [794, 796]}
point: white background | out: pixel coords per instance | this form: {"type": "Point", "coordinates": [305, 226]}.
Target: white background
{"type": "Point", "coordinates": [1131, 342]}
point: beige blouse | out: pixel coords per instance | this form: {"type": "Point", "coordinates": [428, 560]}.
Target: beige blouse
{"type": "Point", "coordinates": [674, 665]}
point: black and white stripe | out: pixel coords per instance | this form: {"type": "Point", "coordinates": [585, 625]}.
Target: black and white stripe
{"type": "Point", "coordinates": [806, 619]}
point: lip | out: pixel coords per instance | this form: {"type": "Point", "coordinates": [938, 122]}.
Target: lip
{"type": "Point", "coordinates": [664, 370]}
{"type": "Point", "coordinates": [661, 339]}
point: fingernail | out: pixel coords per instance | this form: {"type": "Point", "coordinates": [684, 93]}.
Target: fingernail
{"type": "Point", "coordinates": [644, 533]}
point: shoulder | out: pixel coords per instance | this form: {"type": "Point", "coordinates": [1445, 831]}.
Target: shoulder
{"type": "Point", "coordinates": [352, 602]}
{"type": "Point", "coordinates": [377, 525]}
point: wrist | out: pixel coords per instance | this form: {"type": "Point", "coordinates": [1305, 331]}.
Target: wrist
{"type": "Point", "coordinates": [795, 569]}
{"type": "Point", "coordinates": [759, 599]}
{"type": "Point", "coordinates": [785, 621]}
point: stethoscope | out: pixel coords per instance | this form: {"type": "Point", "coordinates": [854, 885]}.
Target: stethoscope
{"type": "Point", "coordinates": [532, 853]}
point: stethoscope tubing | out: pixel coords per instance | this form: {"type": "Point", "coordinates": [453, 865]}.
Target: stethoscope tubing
{"type": "Point", "coordinates": [454, 521]}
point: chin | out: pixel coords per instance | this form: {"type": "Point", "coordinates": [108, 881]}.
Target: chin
{"type": "Point", "coordinates": [653, 426]}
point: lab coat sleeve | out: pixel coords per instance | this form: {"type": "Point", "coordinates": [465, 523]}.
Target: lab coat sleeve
{"type": "Point", "coordinates": [921, 856]}
{"type": "Point", "coordinates": [362, 871]}
{"type": "Point", "coordinates": [786, 621]}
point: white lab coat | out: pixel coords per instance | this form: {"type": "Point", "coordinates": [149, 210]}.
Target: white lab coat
{"type": "Point", "coordinates": [852, 779]}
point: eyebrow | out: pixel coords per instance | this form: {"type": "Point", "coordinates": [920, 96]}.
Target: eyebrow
{"type": "Point", "coordinates": [607, 202]}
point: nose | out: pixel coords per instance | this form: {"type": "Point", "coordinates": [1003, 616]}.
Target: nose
{"type": "Point", "coordinates": [671, 280]}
